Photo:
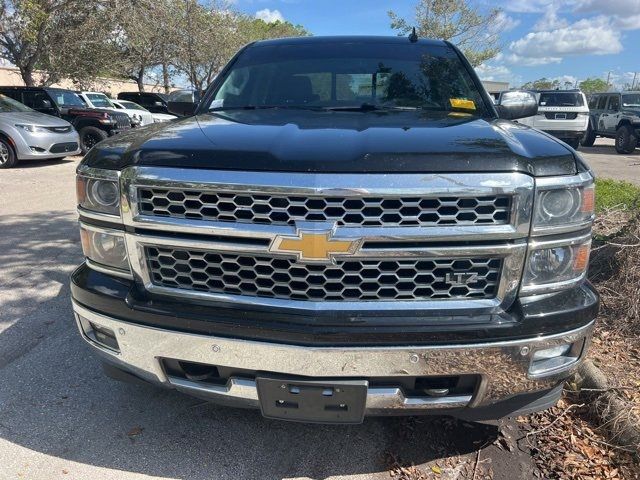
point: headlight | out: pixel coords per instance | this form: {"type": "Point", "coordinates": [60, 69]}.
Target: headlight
{"type": "Point", "coordinates": [32, 128]}
{"type": "Point", "coordinates": [555, 264]}
{"type": "Point", "coordinates": [99, 194]}
{"type": "Point", "coordinates": [105, 247]}
{"type": "Point", "coordinates": [564, 206]}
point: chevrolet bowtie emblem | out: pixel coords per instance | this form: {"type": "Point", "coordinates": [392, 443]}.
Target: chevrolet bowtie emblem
{"type": "Point", "coordinates": [315, 246]}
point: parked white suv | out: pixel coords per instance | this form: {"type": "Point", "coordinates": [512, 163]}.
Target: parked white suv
{"type": "Point", "coordinates": [561, 113]}
{"type": "Point", "coordinates": [100, 100]}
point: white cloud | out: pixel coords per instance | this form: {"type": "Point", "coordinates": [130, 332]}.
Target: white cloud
{"type": "Point", "coordinates": [594, 36]}
{"type": "Point", "coordinates": [497, 73]}
{"type": "Point", "coordinates": [631, 22]}
{"type": "Point", "coordinates": [529, 6]}
{"type": "Point", "coordinates": [610, 7]}
{"type": "Point", "coordinates": [550, 21]}
{"type": "Point", "coordinates": [270, 16]}
{"type": "Point", "coordinates": [492, 72]}
{"type": "Point", "coordinates": [514, 59]}
{"type": "Point", "coordinates": [504, 23]}
{"type": "Point", "coordinates": [624, 14]}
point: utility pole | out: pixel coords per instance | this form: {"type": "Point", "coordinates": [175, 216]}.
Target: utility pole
{"type": "Point", "coordinates": [633, 84]}
{"type": "Point", "coordinates": [608, 78]}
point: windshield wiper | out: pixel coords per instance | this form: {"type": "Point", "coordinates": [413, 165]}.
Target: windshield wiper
{"type": "Point", "coordinates": [369, 107]}
{"type": "Point", "coordinates": [266, 107]}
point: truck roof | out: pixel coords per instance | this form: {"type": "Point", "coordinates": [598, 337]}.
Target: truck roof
{"type": "Point", "coordinates": [379, 39]}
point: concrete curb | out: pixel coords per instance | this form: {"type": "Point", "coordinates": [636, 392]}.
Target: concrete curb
{"type": "Point", "coordinates": [611, 410]}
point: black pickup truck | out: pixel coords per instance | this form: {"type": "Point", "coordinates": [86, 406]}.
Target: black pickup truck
{"type": "Point", "coordinates": [93, 125]}
{"type": "Point", "coordinates": [345, 226]}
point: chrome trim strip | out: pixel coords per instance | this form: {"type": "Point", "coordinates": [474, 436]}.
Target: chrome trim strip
{"type": "Point", "coordinates": [236, 388]}
{"type": "Point", "coordinates": [99, 173]}
{"type": "Point", "coordinates": [109, 271]}
{"type": "Point", "coordinates": [564, 181]}
{"type": "Point", "coordinates": [378, 398]}
{"type": "Point", "coordinates": [102, 217]}
{"type": "Point", "coordinates": [517, 185]}
{"type": "Point", "coordinates": [503, 366]}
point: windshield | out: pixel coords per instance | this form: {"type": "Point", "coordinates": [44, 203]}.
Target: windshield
{"type": "Point", "coordinates": [132, 106]}
{"type": "Point", "coordinates": [66, 99]}
{"type": "Point", "coordinates": [349, 75]}
{"type": "Point", "coordinates": [10, 105]}
{"type": "Point", "coordinates": [561, 99]}
{"type": "Point", "coordinates": [632, 100]}
{"type": "Point", "coordinates": [100, 100]}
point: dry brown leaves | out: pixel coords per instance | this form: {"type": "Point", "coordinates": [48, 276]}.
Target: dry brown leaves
{"type": "Point", "coordinates": [568, 442]}
{"type": "Point", "coordinates": [615, 271]}
{"type": "Point", "coordinates": [567, 446]}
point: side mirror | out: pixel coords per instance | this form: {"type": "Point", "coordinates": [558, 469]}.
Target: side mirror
{"type": "Point", "coordinates": [181, 109]}
{"type": "Point", "coordinates": [517, 104]}
{"type": "Point", "coordinates": [43, 104]}
{"type": "Point", "coordinates": [158, 104]}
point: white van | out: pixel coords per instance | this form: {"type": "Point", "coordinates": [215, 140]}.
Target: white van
{"type": "Point", "coordinates": [562, 113]}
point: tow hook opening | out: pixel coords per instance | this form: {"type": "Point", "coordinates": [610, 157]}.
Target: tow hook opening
{"type": "Point", "coordinates": [99, 334]}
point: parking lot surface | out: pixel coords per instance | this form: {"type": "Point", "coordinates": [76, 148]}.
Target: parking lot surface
{"type": "Point", "coordinates": [606, 163]}
{"type": "Point", "coordinates": [61, 418]}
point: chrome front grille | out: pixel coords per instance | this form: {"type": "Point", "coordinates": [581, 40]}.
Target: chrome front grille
{"type": "Point", "coordinates": [366, 211]}
{"type": "Point", "coordinates": [420, 241]}
{"type": "Point", "coordinates": [357, 280]}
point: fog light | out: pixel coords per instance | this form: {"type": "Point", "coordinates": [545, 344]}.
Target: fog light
{"type": "Point", "coordinates": [553, 359]}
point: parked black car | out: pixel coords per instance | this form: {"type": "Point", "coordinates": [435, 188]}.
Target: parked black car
{"type": "Point", "coordinates": [92, 124]}
{"type": "Point", "coordinates": [614, 115]}
{"type": "Point", "coordinates": [154, 102]}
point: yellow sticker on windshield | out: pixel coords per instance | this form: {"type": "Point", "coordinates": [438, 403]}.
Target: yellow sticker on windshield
{"type": "Point", "coordinates": [462, 103]}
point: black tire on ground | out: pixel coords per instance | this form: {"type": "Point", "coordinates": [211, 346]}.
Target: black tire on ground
{"type": "Point", "coordinates": [588, 138]}
{"type": "Point", "coordinates": [573, 142]}
{"type": "Point", "coordinates": [89, 136]}
{"type": "Point", "coordinates": [8, 157]}
{"type": "Point", "coordinates": [626, 139]}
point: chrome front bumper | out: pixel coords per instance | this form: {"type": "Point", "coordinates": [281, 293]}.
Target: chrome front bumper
{"type": "Point", "coordinates": [503, 367]}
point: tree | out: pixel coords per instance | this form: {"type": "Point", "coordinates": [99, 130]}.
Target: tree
{"type": "Point", "coordinates": [62, 38]}
{"type": "Point", "coordinates": [594, 85]}
{"type": "Point", "coordinates": [256, 29]}
{"type": "Point", "coordinates": [145, 32]}
{"type": "Point", "coordinates": [474, 32]}
{"type": "Point", "coordinates": [211, 34]}
{"type": "Point", "coordinates": [541, 84]}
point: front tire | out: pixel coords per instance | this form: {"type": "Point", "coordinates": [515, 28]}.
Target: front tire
{"type": "Point", "coordinates": [626, 139]}
{"type": "Point", "coordinates": [90, 136]}
{"type": "Point", "coordinates": [589, 137]}
{"type": "Point", "coordinates": [8, 157]}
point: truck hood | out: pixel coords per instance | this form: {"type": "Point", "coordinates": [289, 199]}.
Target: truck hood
{"type": "Point", "coordinates": [34, 118]}
{"type": "Point", "coordinates": [310, 141]}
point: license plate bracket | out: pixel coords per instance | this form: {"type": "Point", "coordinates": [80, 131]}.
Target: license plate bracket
{"type": "Point", "coordinates": [332, 401]}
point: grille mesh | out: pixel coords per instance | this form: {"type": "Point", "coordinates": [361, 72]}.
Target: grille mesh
{"type": "Point", "coordinates": [287, 209]}
{"type": "Point", "coordinates": [353, 280]}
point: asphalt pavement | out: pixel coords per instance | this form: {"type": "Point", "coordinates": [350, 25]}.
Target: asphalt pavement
{"type": "Point", "coordinates": [61, 418]}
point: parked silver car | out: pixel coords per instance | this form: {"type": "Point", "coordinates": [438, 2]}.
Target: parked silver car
{"type": "Point", "coordinates": [29, 135]}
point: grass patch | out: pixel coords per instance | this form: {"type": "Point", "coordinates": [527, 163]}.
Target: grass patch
{"type": "Point", "coordinates": [616, 194]}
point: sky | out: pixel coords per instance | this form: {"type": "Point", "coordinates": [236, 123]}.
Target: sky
{"type": "Point", "coordinates": [568, 40]}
